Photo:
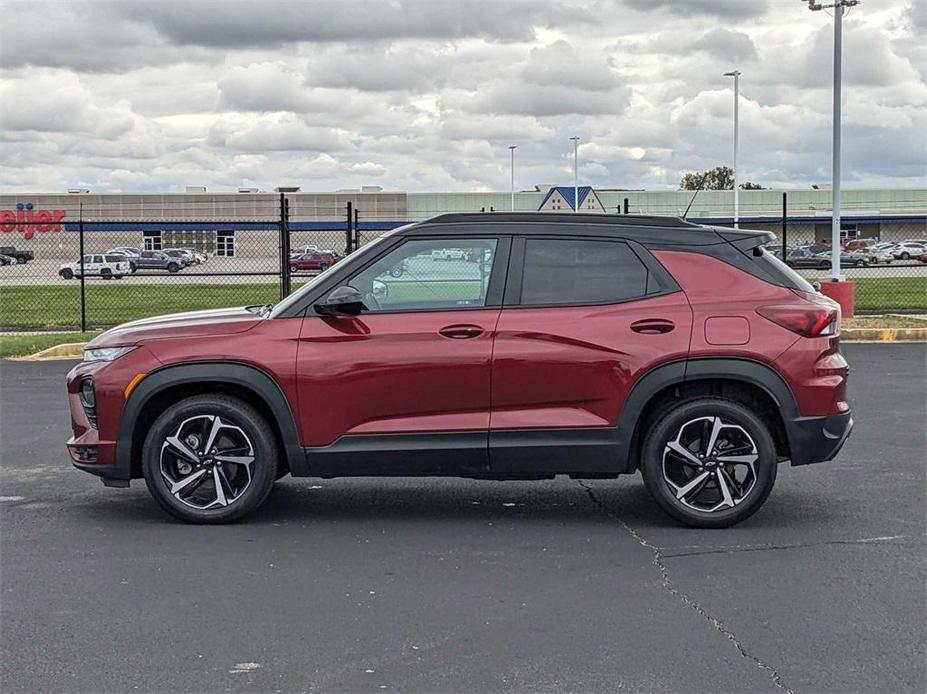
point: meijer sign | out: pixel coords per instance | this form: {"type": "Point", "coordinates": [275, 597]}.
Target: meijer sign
{"type": "Point", "coordinates": [27, 220]}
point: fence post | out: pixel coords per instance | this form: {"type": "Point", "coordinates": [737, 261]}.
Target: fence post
{"type": "Point", "coordinates": [356, 228]}
{"type": "Point", "coordinates": [785, 222]}
{"type": "Point", "coordinates": [625, 205]}
{"type": "Point", "coordinates": [83, 296]}
{"type": "Point", "coordinates": [284, 246]}
{"type": "Point", "coordinates": [348, 233]}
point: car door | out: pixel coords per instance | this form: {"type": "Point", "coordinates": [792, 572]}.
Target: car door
{"type": "Point", "coordinates": [404, 387]}
{"type": "Point", "coordinates": [583, 319]}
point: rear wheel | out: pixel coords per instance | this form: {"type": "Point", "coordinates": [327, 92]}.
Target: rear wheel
{"type": "Point", "coordinates": [67, 274]}
{"type": "Point", "coordinates": [210, 459]}
{"type": "Point", "coordinates": [709, 463]}
{"type": "Point", "coordinates": [172, 267]}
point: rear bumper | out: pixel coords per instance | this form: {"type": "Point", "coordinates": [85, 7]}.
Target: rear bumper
{"type": "Point", "coordinates": [818, 439]}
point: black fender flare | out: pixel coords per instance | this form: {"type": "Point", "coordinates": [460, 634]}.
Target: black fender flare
{"type": "Point", "coordinates": [702, 369]}
{"type": "Point", "coordinates": [235, 373]}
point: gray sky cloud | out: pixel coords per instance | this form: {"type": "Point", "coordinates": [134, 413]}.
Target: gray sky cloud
{"type": "Point", "coordinates": [427, 94]}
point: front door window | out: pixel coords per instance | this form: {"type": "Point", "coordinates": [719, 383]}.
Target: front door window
{"type": "Point", "coordinates": [429, 275]}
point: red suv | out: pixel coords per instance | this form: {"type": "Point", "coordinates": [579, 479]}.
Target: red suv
{"type": "Point", "coordinates": [582, 345]}
{"type": "Point", "coordinates": [314, 260]}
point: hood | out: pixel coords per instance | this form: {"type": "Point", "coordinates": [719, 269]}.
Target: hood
{"type": "Point", "coordinates": [223, 321]}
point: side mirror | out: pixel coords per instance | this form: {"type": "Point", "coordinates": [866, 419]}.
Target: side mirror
{"type": "Point", "coordinates": [343, 301]}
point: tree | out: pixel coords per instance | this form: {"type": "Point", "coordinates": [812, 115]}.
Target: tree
{"type": "Point", "coordinates": [718, 178]}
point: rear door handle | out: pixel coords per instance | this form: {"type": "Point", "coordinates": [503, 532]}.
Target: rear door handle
{"type": "Point", "coordinates": [461, 332]}
{"type": "Point", "coordinates": [653, 326]}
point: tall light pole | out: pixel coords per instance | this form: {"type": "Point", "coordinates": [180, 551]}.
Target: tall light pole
{"type": "Point", "coordinates": [575, 139]}
{"type": "Point", "coordinates": [736, 75]}
{"type": "Point", "coordinates": [512, 150]}
{"type": "Point", "coordinates": [838, 7]}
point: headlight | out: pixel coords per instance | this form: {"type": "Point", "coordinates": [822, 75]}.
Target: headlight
{"type": "Point", "coordinates": [106, 353]}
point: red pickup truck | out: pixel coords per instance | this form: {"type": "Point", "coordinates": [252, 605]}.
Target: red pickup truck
{"type": "Point", "coordinates": [314, 261]}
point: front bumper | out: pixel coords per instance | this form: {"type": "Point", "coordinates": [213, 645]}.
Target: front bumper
{"type": "Point", "coordinates": [818, 439]}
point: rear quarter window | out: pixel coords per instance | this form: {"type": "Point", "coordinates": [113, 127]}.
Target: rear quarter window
{"type": "Point", "coordinates": [782, 273]}
{"type": "Point", "coordinates": [578, 271]}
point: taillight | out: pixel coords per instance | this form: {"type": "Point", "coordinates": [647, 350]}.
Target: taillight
{"type": "Point", "coordinates": [818, 316]}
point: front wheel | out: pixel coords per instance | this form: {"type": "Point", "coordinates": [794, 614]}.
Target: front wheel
{"type": "Point", "coordinates": [709, 463]}
{"type": "Point", "coordinates": [906, 256]}
{"type": "Point", "coordinates": [173, 267]}
{"type": "Point", "coordinates": [210, 459]}
{"type": "Point", "coordinates": [67, 274]}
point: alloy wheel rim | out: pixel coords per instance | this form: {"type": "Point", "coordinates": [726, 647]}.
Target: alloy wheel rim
{"type": "Point", "coordinates": [710, 465]}
{"type": "Point", "coordinates": [207, 462]}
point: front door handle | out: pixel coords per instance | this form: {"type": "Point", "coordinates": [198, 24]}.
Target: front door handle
{"type": "Point", "coordinates": [653, 326]}
{"type": "Point", "coordinates": [461, 332]}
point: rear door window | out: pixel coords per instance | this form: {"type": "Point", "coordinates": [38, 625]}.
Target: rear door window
{"type": "Point", "coordinates": [580, 272]}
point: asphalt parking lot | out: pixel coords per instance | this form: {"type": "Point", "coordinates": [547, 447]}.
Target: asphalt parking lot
{"type": "Point", "coordinates": [453, 585]}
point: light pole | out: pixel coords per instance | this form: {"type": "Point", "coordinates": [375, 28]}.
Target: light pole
{"type": "Point", "coordinates": [736, 75]}
{"type": "Point", "coordinates": [512, 150]}
{"type": "Point", "coordinates": [575, 139]}
{"type": "Point", "coordinates": [838, 7]}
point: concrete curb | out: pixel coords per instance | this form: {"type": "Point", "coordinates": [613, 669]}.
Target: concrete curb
{"type": "Point", "coordinates": [883, 335]}
{"type": "Point", "coordinates": [68, 350]}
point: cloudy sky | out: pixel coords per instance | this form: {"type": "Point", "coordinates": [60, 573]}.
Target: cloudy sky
{"type": "Point", "coordinates": [426, 95]}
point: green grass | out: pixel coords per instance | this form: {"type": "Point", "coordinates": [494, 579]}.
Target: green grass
{"type": "Point", "coordinates": [24, 307]}
{"type": "Point", "coordinates": [58, 306]}
{"type": "Point", "coordinates": [889, 294]}
{"type": "Point", "coordinates": [23, 345]}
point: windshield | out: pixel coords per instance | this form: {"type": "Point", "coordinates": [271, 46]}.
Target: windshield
{"type": "Point", "coordinates": [358, 255]}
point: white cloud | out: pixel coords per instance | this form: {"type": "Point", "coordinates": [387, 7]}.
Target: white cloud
{"type": "Point", "coordinates": [427, 94]}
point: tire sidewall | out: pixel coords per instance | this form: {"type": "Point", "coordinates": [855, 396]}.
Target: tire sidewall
{"type": "Point", "coordinates": [237, 412]}
{"type": "Point", "coordinates": [665, 429]}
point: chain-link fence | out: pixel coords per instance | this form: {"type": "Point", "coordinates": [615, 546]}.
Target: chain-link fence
{"type": "Point", "coordinates": [99, 264]}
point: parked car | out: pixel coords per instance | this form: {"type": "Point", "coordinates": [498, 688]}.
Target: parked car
{"type": "Point", "coordinates": [107, 266]}
{"type": "Point", "coordinates": [859, 244]}
{"type": "Point", "coordinates": [591, 347]}
{"type": "Point", "coordinates": [22, 256]}
{"type": "Point", "coordinates": [7, 260]}
{"type": "Point", "coordinates": [303, 250]}
{"type": "Point", "coordinates": [130, 254]}
{"type": "Point", "coordinates": [449, 254]}
{"type": "Point", "coordinates": [909, 249]}
{"type": "Point", "coordinates": [158, 260]}
{"type": "Point", "coordinates": [875, 255]}
{"type": "Point", "coordinates": [804, 258]}
{"type": "Point", "coordinates": [316, 261]}
{"type": "Point", "coordinates": [182, 255]}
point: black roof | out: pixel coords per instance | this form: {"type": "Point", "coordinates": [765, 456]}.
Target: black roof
{"type": "Point", "coordinates": [654, 231]}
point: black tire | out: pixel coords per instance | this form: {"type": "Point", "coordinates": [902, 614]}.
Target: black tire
{"type": "Point", "coordinates": [133, 268]}
{"type": "Point", "coordinates": [118, 277]}
{"type": "Point", "coordinates": [67, 274]}
{"type": "Point", "coordinates": [172, 267]}
{"type": "Point", "coordinates": [825, 265]}
{"type": "Point", "coordinates": [664, 431]}
{"type": "Point", "coordinates": [106, 274]}
{"type": "Point", "coordinates": [294, 269]}
{"type": "Point", "coordinates": [236, 413]}
{"type": "Point", "coordinates": [906, 256]}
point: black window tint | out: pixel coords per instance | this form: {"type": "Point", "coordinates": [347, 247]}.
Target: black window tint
{"type": "Point", "coordinates": [568, 271]}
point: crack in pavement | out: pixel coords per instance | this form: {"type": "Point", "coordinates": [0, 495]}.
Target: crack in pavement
{"type": "Point", "coordinates": [687, 600]}
{"type": "Point", "coordinates": [672, 552]}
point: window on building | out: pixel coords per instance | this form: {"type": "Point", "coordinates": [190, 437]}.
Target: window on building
{"type": "Point", "coordinates": [151, 240]}
{"type": "Point", "coordinates": [225, 243]}
{"type": "Point", "coordinates": [848, 230]}
{"type": "Point", "coordinates": [576, 272]}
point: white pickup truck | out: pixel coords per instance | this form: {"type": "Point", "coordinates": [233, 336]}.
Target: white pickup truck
{"type": "Point", "coordinates": [102, 265]}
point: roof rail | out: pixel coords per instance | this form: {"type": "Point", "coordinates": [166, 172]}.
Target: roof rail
{"type": "Point", "coordinates": [562, 218]}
